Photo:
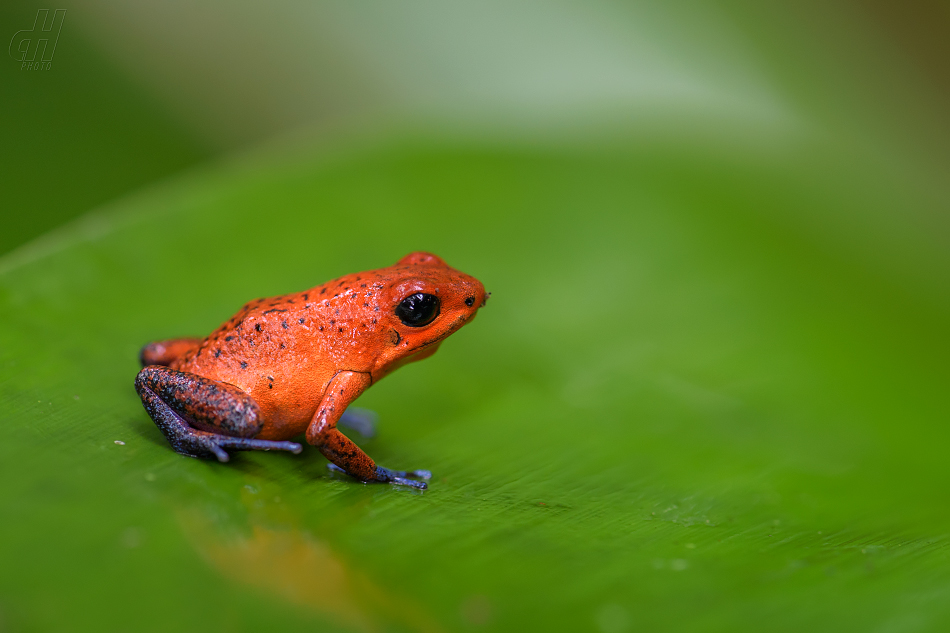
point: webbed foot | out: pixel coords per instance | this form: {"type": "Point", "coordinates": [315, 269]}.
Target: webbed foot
{"type": "Point", "coordinates": [398, 477]}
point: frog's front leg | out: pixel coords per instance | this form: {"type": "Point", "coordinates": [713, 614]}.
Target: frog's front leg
{"type": "Point", "coordinates": [201, 417]}
{"type": "Point", "coordinates": [343, 389]}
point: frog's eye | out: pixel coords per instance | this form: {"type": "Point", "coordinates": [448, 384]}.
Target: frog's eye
{"type": "Point", "coordinates": [418, 309]}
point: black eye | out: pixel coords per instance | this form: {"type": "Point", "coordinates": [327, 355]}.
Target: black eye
{"type": "Point", "coordinates": [418, 309]}
{"type": "Point", "coordinates": [469, 301]}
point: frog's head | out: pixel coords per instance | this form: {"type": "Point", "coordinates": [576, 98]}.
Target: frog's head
{"type": "Point", "coordinates": [424, 301]}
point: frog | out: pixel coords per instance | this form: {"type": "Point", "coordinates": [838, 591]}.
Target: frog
{"type": "Point", "coordinates": [292, 364]}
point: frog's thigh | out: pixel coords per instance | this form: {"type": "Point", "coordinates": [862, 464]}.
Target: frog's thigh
{"type": "Point", "coordinates": [207, 404]}
{"type": "Point", "coordinates": [164, 352]}
{"type": "Point", "coordinates": [199, 416]}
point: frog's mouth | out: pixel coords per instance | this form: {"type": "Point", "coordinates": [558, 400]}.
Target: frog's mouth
{"type": "Point", "coordinates": [459, 321]}
{"type": "Point", "coordinates": [428, 349]}
{"type": "Point", "coordinates": [424, 351]}
{"type": "Point", "coordinates": [419, 353]}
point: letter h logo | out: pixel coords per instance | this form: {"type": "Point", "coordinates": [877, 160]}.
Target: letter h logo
{"type": "Point", "coordinates": [23, 40]}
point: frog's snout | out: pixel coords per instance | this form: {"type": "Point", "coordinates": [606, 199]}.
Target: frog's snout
{"type": "Point", "coordinates": [485, 300]}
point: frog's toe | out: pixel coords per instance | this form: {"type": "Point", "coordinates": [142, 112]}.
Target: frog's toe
{"type": "Point", "coordinates": [413, 474]}
{"type": "Point", "coordinates": [247, 444]}
{"type": "Point", "coordinates": [412, 483]}
{"type": "Point", "coordinates": [199, 446]}
{"type": "Point", "coordinates": [398, 477]}
{"type": "Point", "coordinates": [218, 452]}
{"type": "Point", "coordinates": [403, 477]}
{"type": "Point", "coordinates": [211, 446]}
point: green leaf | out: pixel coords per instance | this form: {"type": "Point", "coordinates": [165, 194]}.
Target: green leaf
{"type": "Point", "coordinates": [708, 393]}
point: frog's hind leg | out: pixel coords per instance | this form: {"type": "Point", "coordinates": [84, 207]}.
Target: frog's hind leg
{"type": "Point", "coordinates": [165, 352]}
{"type": "Point", "coordinates": [201, 417]}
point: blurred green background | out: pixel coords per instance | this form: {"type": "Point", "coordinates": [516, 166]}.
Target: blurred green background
{"type": "Point", "coordinates": [710, 391]}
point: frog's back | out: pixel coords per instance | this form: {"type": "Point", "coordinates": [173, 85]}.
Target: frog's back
{"type": "Point", "coordinates": [283, 351]}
